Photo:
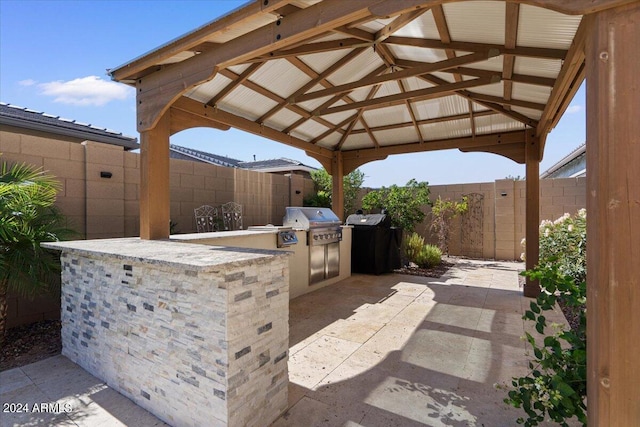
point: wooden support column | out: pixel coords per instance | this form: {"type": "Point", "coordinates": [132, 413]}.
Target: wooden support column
{"type": "Point", "coordinates": [337, 189]}
{"type": "Point", "coordinates": [613, 216]}
{"type": "Point", "coordinates": [532, 219]}
{"type": "Point", "coordinates": [154, 180]}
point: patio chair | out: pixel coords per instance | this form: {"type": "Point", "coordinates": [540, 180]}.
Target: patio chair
{"type": "Point", "coordinates": [232, 216]}
{"type": "Point", "coordinates": [207, 219]}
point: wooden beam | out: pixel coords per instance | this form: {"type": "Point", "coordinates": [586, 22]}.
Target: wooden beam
{"type": "Point", "coordinates": [514, 102]}
{"type": "Point", "coordinates": [337, 188]}
{"type": "Point", "coordinates": [415, 95]}
{"type": "Point", "coordinates": [356, 33]}
{"type": "Point", "coordinates": [442, 144]}
{"type": "Point", "coordinates": [613, 215]}
{"type": "Point", "coordinates": [154, 181]}
{"type": "Point", "coordinates": [532, 218]}
{"type": "Point", "coordinates": [566, 81]}
{"type": "Point", "coordinates": [182, 121]}
{"type": "Point", "coordinates": [427, 121]}
{"type": "Point", "coordinates": [158, 90]}
{"type": "Point", "coordinates": [512, 12]}
{"type": "Point", "coordinates": [514, 151]}
{"type": "Point", "coordinates": [443, 30]}
{"type": "Point", "coordinates": [207, 113]}
{"type": "Point", "coordinates": [533, 52]}
{"type": "Point", "coordinates": [410, 72]}
{"type": "Point", "coordinates": [414, 120]}
{"type": "Point", "coordinates": [311, 48]}
{"type": "Point", "coordinates": [475, 72]}
{"type": "Point", "coordinates": [132, 69]}
{"type": "Point", "coordinates": [315, 79]}
{"type": "Point", "coordinates": [235, 83]}
{"type": "Point", "coordinates": [398, 23]}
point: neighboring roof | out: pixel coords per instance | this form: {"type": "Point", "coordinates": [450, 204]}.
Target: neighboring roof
{"type": "Point", "coordinates": [277, 165]}
{"type": "Point", "coordinates": [184, 153]}
{"type": "Point", "coordinates": [273, 165]}
{"type": "Point", "coordinates": [574, 164]}
{"type": "Point", "coordinates": [373, 78]}
{"type": "Point", "coordinates": [12, 115]}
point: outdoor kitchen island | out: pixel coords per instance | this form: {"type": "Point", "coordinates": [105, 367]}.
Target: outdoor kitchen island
{"type": "Point", "coordinates": [196, 334]}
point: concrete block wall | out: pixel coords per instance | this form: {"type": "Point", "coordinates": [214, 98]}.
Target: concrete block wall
{"type": "Point", "coordinates": [504, 211]}
{"type": "Point", "coordinates": [97, 207]}
{"type": "Point", "coordinates": [193, 345]}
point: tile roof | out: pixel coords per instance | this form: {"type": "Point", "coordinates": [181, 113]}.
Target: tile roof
{"type": "Point", "coordinates": [279, 164]}
{"type": "Point", "coordinates": [13, 115]}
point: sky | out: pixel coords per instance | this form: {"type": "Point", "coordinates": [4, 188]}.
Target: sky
{"type": "Point", "coordinates": [54, 56]}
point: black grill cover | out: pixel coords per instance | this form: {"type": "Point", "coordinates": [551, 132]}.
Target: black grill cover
{"type": "Point", "coordinates": [371, 220]}
{"type": "Point", "coordinates": [375, 247]}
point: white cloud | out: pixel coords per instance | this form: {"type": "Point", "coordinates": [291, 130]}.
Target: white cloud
{"type": "Point", "coordinates": [90, 90]}
{"type": "Point", "coordinates": [27, 82]}
{"type": "Point", "coordinates": [572, 109]}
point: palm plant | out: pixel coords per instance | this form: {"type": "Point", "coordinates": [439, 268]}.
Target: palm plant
{"type": "Point", "coordinates": [27, 218]}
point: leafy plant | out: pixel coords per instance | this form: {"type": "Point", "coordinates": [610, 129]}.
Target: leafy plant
{"type": "Point", "coordinates": [27, 218]}
{"type": "Point", "coordinates": [443, 211]}
{"type": "Point", "coordinates": [556, 386]}
{"type": "Point", "coordinates": [414, 245]}
{"type": "Point", "coordinates": [403, 204]}
{"type": "Point", "coordinates": [429, 256]}
{"type": "Point", "coordinates": [352, 183]}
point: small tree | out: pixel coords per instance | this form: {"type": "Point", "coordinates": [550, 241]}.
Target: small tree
{"type": "Point", "coordinates": [403, 204]}
{"type": "Point", "coordinates": [443, 211]}
{"type": "Point", "coordinates": [27, 218]}
{"type": "Point", "coordinates": [352, 183]}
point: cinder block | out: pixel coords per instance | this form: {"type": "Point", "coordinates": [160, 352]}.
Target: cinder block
{"type": "Point", "coordinates": [105, 207]}
{"type": "Point", "coordinates": [564, 200]}
{"type": "Point", "coordinates": [564, 182]}
{"type": "Point", "coordinates": [131, 208]}
{"type": "Point", "coordinates": [551, 191]}
{"type": "Point", "coordinates": [104, 154]}
{"type": "Point", "coordinates": [191, 181]}
{"type": "Point", "coordinates": [131, 192]}
{"type": "Point", "coordinates": [204, 197]}
{"type": "Point", "coordinates": [105, 190]}
{"type": "Point", "coordinates": [45, 147]}
{"type": "Point", "coordinates": [76, 152]}
{"type": "Point", "coordinates": [224, 172]}
{"type": "Point", "coordinates": [9, 142]}
{"type": "Point", "coordinates": [105, 226]}
{"type": "Point", "coordinates": [64, 168]}
{"type": "Point", "coordinates": [131, 175]}
{"type": "Point", "coordinates": [181, 166]}
{"type": "Point", "coordinates": [131, 160]}
{"type": "Point", "coordinates": [11, 158]}
{"type": "Point", "coordinates": [204, 169]}
{"type": "Point", "coordinates": [575, 191]}
{"type": "Point", "coordinates": [74, 187]}
{"type": "Point", "coordinates": [71, 206]}
{"type": "Point", "coordinates": [181, 195]}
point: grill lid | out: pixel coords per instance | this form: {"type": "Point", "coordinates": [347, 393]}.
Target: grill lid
{"type": "Point", "coordinates": [305, 218]}
{"type": "Point", "coordinates": [371, 220]}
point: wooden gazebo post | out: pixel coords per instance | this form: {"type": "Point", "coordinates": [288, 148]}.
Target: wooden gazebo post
{"type": "Point", "coordinates": [337, 189]}
{"type": "Point", "coordinates": [532, 155]}
{"type": "Point", "coordinates": [613, 216]}
{"type": "Point", "coordinates": [154, 180]}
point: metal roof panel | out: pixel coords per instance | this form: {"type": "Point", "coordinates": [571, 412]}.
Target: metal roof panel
{"type": "Point", "coordinates": [280, 77]}
{"type": "Point", "coordinates": [546, 28]}
{"type": "Point", "coordinates": [477, 21]}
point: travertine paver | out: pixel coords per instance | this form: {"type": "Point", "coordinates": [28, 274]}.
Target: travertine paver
{"type": "Point", "coordinates": [375, 351]}
{"type": "Point", "coordinates": [439, 346]}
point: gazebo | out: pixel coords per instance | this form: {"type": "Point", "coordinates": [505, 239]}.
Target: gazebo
{"type": "Point", "coordinates": [350, 82]}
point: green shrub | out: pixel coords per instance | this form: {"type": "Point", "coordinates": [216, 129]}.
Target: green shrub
{"type": "Point", "coordinates": [404, 205]}
{"type": "Point", "coordinates": [556, 386]}
{"type": "Point", "coordinates": [429, 256]}
{"type": "Point", "coordinates": [414, 245]}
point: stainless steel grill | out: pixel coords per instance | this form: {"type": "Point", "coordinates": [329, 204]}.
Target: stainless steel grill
{"type": "Point", "coordinates": [323, 236]}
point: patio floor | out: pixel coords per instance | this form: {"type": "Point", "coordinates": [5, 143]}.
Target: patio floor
{"type": "Point", "coordinates": [389, 350]}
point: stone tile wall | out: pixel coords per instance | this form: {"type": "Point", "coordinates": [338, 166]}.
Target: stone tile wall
{"type": "Point", "coordinates": [196, 348]}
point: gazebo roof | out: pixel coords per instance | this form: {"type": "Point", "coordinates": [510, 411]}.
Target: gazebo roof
{"type": "Point", "coordinates": [373, 78]}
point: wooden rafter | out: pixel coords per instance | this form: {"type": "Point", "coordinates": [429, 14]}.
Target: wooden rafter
{"type": "Point", "coordinates": [427, 121]}
{"type": "Point", "coordinates": [311, 48]}
{"type": "Point", "coordinates": [443, 31]}
{"type": "Point", "coordinates": [415, 95]}
{"type": "Point", "coordinates": [410, 72]}
{"type": "Point", "coordinates": [235, 83]}
{"type": "Point", "coordinates": [474, 72]}
{"type": "Point", "coordinates": [514, 102]}
{"type": "Point", "coordinates": [274, 97]}
{"type": "Point", "coordinates": [512, 12]}
{"type": "Point", "coordinates": [318, 79]}
{"type": "Point", "coordinates": [333, 100]}
{"type": "Point", "coordinates": [472, 118]}
{"type": "Point", "coordinates": [532, 52]}
{"type": "Point", "coordinates": [567, 84]}
{"type": "Point", "coordinates": [411, 112]}
{"type": "Point", "coordinates": [397, 24]}
{"type": "Point", "coordinates": [206, 113]}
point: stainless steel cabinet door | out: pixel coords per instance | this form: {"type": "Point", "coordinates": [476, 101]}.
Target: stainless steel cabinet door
{"type": "Point", "coordinates": [316, 263]}
{"type": "Point", "coordinates": [333, 260]}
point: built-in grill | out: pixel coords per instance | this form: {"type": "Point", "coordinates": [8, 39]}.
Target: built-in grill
{"type": "Point", "coordinates": [323, 236]}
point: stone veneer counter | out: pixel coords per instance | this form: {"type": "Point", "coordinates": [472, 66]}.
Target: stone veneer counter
{"type": "Point", "coordinates": [198, 335]}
